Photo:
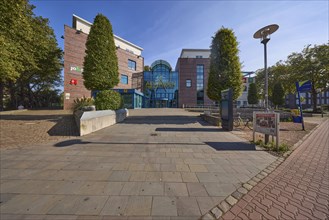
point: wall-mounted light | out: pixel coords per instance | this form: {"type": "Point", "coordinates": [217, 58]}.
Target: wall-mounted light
{"type": "Point", "coordinates": [62, 37]}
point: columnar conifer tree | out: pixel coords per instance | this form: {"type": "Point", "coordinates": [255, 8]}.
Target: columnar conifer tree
{"type": "Point", "coordinates": [252, 94]}
{"type": "Point", "coordinates": [101, 63]}
{"type": "Point", "coordinates": [278, 94]}
{"type": "Point", "coordinates": [225, 66]}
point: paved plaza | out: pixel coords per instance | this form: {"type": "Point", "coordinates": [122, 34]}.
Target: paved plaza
{"type": "Point", "coordinates": [157, 164]}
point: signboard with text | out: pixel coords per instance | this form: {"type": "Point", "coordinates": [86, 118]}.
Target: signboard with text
{"type": "Point", "coordinates": [266, 123]}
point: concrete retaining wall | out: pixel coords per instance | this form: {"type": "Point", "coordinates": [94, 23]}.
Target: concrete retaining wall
{"type": "Point", "coordinates": [211, 119]}
{"type": "Point", "coordinates": [92, 121]}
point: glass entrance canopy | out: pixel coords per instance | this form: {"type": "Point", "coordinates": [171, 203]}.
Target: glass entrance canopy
{"type": "Point", "coordinates": [160, 86]}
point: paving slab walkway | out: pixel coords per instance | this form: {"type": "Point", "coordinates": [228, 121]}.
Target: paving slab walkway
{"type": "Point", "coordinates": [157, 164]}
{"type": "Point", "coordinates": [297, 189]}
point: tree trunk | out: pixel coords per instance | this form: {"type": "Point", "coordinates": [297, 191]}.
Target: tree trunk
{"type": "Point", "coordinates": [314, 98]}
{"type": "Point", "coordinates": [2, 87]}
{"type": "Point", "coordinates": [13, 99]}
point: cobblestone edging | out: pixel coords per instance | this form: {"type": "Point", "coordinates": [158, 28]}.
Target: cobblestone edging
{"type": "Point", "coordinates": [225, 205]}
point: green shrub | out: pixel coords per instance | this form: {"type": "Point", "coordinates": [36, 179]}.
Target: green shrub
{"type": "Point", "coordinates": [80, 103]}
{"type": "Point", "coordinates": [108, 100]}
{"type": "Point", "coordinates": [271, 146]}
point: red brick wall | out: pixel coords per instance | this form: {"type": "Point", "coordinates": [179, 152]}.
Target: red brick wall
{"type": "Point", "coordinates": [123, 57]}
{"type": "Point", "coordinates": [187, 70]}
{"type": "Point", "coordinates": [74, 53]}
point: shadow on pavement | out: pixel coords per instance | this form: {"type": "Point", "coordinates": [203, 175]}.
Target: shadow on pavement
{"type": "Point", "coordinates": [231, 146]}
{"type": "Point", "coordinates": [68, 143]}
{"type": "Point", "coordinates": [163, 120]}
{"type": "Point", "coordinates": [190, 129]}
{"type": "Point", "coordinates": [64, 127]}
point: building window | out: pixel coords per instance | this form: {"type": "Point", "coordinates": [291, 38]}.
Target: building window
{"type": "Point", "coordinates": [124, 79]}
{"type": "Point", "coordinates": [188, 83]}
{"type": "Point", "coordinates": [131, 65]}
{"type": "Point", "coordinates": [198, 56]}
{"type": "Point", "coordinates": [200, 82]}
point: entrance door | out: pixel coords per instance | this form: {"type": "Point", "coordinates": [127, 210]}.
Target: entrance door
{"type": "Point", "coordinates": [161, 103]}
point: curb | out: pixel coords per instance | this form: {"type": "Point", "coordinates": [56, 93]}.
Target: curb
{"type": "Point", "coordinates": [226, 204]}
{"type": "Point", "coordinates": [11, 112]}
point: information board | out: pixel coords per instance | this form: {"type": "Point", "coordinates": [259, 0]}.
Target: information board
{"type": "Point", "coordinates": [266, 123]}
{"type": "Point", "coordinates": [226, 109]}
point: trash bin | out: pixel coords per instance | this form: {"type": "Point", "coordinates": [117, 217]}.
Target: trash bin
{"type": "Point", "coordinates": [297, 119]}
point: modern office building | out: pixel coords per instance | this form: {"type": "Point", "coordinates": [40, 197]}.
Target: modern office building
{"type": "Point", "coordinates": [160, 86]}
{"type": "Point", "coordinates": [130, 61]}
{"type": "Point", "coordinates": [193, 68]}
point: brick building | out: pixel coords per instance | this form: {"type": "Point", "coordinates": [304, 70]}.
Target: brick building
{"type": "Point", "coordinates": [193, 69]}
{"type": "Point", "coordinates": [130, 61]}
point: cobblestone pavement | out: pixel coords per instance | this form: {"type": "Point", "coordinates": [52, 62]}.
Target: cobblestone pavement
{"type": "Point", "coordinates": [31, 127]}
{"type": "Point", "coordinates": [157, 164]}
{"type": "Point", "coordinates": [297, 189]}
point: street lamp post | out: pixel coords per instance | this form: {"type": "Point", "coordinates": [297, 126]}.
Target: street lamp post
{"type": "Point", "coordinates": [264, 35]}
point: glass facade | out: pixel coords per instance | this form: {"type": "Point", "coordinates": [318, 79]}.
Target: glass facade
{"type": "Point", "coordinates": [160, 86]}
{"type": "Point", "coordinates": [199, 84]}
{"type": "Point", "coordinates": [131, 98]}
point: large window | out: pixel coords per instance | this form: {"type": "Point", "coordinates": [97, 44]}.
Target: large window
{"type": "Point", "coordinates": [160, 86]}
{"type": "Point", "coordinates": [188, 83]}
{"type": "Point", "coordinates": [199, 84]}
{"type": "Point", "coordinates": [124, 79]}
{"type": "Point", "coordinates": [131, 65]}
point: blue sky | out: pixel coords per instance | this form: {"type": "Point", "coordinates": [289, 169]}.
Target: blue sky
{"type": "Point", "coordinates": [164, 28]}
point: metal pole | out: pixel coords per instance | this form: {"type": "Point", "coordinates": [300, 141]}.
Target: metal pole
{"type": "Point", "coordinates": [264, 41]}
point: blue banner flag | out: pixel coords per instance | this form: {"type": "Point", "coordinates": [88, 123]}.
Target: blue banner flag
{"type": "Point", "coordinates": [304, 86]}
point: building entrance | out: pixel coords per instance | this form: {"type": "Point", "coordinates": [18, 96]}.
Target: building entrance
{"type": "Point", "coordinates": [160, 86]}
{"type": "Point", "coordinates": [161, 103]}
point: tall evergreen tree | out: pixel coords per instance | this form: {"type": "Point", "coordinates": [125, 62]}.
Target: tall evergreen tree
{"type": "Point", "coordinates": [278, 94]}
{"type": "Point", "coordinates": [252, 94]}
{"type": "Point", "coordinates": [225, 66]}
{"type": "Point", "coordinates": [100, 67]}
